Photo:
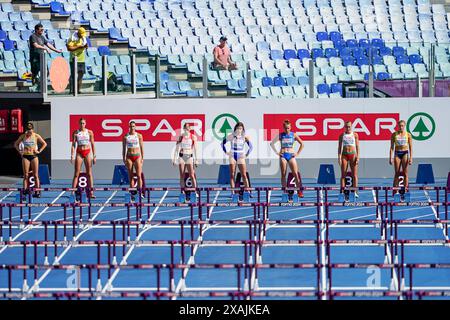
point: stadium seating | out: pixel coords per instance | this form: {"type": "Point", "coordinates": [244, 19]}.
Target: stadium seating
{"type": "Point", "coordinates": [277, 38]}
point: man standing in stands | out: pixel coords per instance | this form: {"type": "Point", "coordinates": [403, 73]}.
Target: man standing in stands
{"type": "Point", "coordinates": [77, 45]}
{"type": "Point", "coordinates": [222, 56]}
{"type": "Point", "coordinates": [38, 44]}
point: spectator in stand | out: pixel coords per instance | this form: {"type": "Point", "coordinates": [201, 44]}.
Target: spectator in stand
{"type": "Point", "coordinates": [38, 44]}
{"type": "Point", "coordinates": [222, 56]}
{"type": "Point", "coordinates": [77, 45]}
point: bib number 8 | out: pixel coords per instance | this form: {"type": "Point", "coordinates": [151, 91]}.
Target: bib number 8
{"type": "Point", "coordinates": [82, 182]}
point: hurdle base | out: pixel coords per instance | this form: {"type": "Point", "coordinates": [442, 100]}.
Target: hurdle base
{"type": "Point", "coordinates": [25, 287]}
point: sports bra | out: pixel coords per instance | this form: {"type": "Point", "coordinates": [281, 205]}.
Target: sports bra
{"type": "Point", "coordinates": [348, 140]}
{"type": "Point", "coordinates": [287, 139]}
{"type": "Point", "coordinates": [237, 144]}
{"type": "Point", "coordinates": [400, 140]}
{"type": "Point", "coordinates": [132, 140]}
{"type": "Point", "coordinates": [29, 143]}
{"type": "Point", "coordinates": [82, 138]}
{"type": "Point", "coordinates": [186, 142]}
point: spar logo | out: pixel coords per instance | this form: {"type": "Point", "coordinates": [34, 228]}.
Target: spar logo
{"type": "Point", "coordinates": [328, 126]}
{"type": "Point", "coordinates": [421, 126]}
{"type": "Point", "coordinates": [223, 125]}
{"type": "Point", "coordinates": [153, 127]}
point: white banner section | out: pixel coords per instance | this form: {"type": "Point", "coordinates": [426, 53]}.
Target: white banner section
{"type": "Point", "coordinates": [319, 122]}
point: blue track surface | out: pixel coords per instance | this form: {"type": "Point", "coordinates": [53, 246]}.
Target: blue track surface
{"type": "Point", "coordinates": [224, 279]}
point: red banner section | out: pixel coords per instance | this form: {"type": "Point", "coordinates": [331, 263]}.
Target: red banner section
{"type": "Point", "coordinates": [153, 127]}
{"type": "Point", "coordinates": [328, 126]}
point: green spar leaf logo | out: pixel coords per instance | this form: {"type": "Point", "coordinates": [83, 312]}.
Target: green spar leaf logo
{"type": "Point", "coordinates": [223, 125]}
{"type": "Point", "coordinates": [421, 126]}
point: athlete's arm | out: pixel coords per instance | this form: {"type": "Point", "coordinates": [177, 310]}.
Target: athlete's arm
{"type": "Point", "coordinates": [224, 142]}
{"type": "Point", "coordinates": [391, 150]}
{"type": "Point", "coordinates": [340, 150]}
{"type": "Point", "coordinates": [272, 144]}
{"type": "Point", "coordinates": [250, 146]}
{"type": "Point", "coordinates": [410, 149]}
{"type": "Point", "coordinates": [300, 141]}
{"type": "Point", "coordinates": [176, 150]}
{"type": "Point", "coordinates": [42, 142]}
{"type": "Point", "coordinates": [141, 145]}
{"type": "Point", "coordinates": [357, 147]}
{"type": "Point", "coordinates": [91, 136]}
{"type": "Point", "coordinates": [194, 148]}
{"type": "Point", "coordinates": [18, 141]}
{"type": "Point", "coordinates": [124, 148]}
{"type": "Point", "coordinates": [74, 142]}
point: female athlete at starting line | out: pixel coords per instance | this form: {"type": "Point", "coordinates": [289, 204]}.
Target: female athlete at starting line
{"type": "Point", "coordinates": [83, 144]}
{"type": "Point", "coordinates": [133, 155]}
{"type": "Point", "coordinates": [185, 155]}
{"type": "Point", "coordinates": [287, 138]}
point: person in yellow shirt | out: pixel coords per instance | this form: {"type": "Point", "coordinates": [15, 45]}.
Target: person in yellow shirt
{"type": "Point", "coordinates": [77, 45]}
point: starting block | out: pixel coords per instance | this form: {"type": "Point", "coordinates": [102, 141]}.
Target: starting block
{"type": "Point", "coordinates": [120, 175]}
{"type": "Point", "coordinates": [425, 174]}
{"type": "Point", "coordinates": [326, 174]}
{"type": "Point", "coordinates": [402, 195]}
{"type": "Point", "coordinates": [83, 183]}
{"type": "Point", "coordinates": [224, 174]}
{"type": "Point", "coordinates": [291, 195]}
{"type": "Point", "coordinates": [129, 196]}
{"type": "Point", "coordinates": [347, 195]}
{"type": "Point", "coordinates": [188, 195]}
{"type": "Point", "coordinates": [243, 195]}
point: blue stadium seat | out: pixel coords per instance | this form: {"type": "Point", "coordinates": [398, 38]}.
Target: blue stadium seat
{"type": "Point", "coordinates": [358, 53]}
{"type": "Point", "coordinates": [242, 85]}
{"type": "Point", "coordinates": [383, 76]}
{"type": "Point", "coordinates": [348, 61]}
{"type": "Point", "coordinates": [379, 43]}
{"type": "Point", "coordinates": [323, 88]}
{"type": "Point", "coordinates": [8, 45]}
{"type": "Point", "coordinates": [335, 36]}
{"type": "Point", "coordinates": [330, 52]}
{"type": "Point", "coordinates": [267, 82]}
{"type": "Point", "coordinates": [336, 88]}
{"type": "Point", "coordinates": [415, 58]}
{"type": "Point", "coordinates": [57, 7]}
{"type": "Point", "coordinates": [364, 43]}
{"type": "Point", "coordinates": [104, 51]}
{"type": "Point", "coordinates": [339, 44]}
{"type": "Point", "coordinates": [115, 34]}
{"type": "Point", "coordinates": [3, 35]}
{"type": "Point", "coordinates": [317, 53]}
{"type": "Point", "coordinates": [164, 76]}
{"type": "Point", "coordinates": [398, 51]}
{"type": "Point", "coordinates": [401, 59]}
{"type": "Point", "coordinates": [385, 51]}
{"type": "Point", "coordinates": [376, 59]}
{"type": "Point", "coordinates": [361, 61]}
{"type": "Point", "coordinates": [352, 43]}
{"type": "Point", "coordinates": [289, 54]}
{"type": "Point", "coordinates": [292, 81]}
{"type": "Point", "coordinates": [345, 52]}
{"type": "Point", "coordinates": [279, 82]}
{"type": "Point", "coordinates": [303, 53]}
{"type": "Point", "coordinates": [322, 36]}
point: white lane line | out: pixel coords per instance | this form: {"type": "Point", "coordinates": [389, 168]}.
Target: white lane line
{"type": "Point", "coordinates": [108, 285]}
{"type": "Point", "coordinates": [1, 200]}
{"type": "Point", "coordinates": [323, 254]}
{"type": "Point", "coordinates": [258, 254]}
{"type": "Point", "coordinates": [30, 227]}
{"type": "Point", "coordinates": [59, 258]}
{"type": "Point", "coordinates": [181, 285]}
{"type": "Point", "coordinates": [389, 257]}
{"type": "Point", "coordinates": [435, 214]}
